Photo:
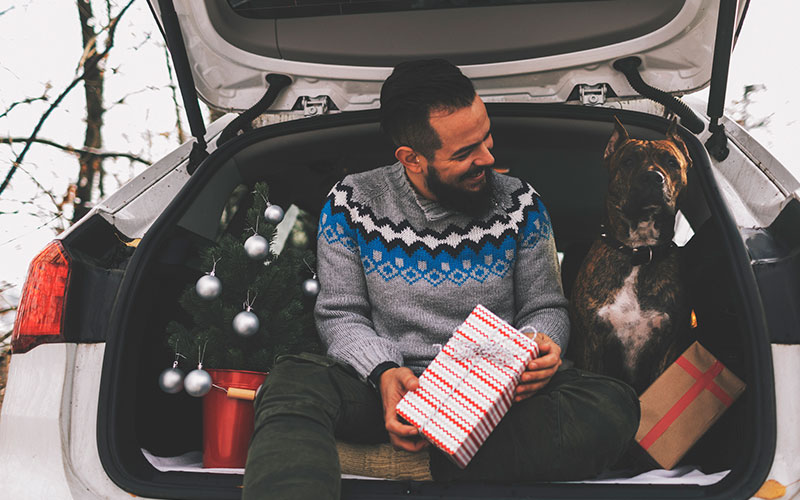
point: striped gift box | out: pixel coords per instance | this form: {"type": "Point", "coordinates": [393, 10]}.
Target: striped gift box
{"type": "Point", "coordinates": [469, 386]}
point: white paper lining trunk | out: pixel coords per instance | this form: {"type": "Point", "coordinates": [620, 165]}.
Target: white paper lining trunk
{"type": "Point", "coordinates": [469, 386]}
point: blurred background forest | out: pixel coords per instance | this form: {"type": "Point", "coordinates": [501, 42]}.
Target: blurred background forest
{"type": "Point", "coordinates": [89, 100]}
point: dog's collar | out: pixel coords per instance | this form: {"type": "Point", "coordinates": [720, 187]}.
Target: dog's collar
{"type": "Point", "coordinates": [639, 255]}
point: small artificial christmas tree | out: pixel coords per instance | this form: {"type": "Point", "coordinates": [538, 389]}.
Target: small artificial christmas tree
{"type": "Point", "coordinates": [272, 287]}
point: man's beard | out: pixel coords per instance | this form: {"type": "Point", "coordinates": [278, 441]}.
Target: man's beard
{"type": "Point", "coordinates": [472, 203]}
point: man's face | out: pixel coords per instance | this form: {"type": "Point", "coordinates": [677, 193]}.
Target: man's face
{"type": "Point", "coordinates": [457, 173]}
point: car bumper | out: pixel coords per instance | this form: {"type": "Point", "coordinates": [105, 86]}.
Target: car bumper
{"type": "Point", "coordinates": [48, 426]}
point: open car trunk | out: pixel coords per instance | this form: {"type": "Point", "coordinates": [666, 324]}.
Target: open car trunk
{"type": "Point", "coordinates": [558, 149]}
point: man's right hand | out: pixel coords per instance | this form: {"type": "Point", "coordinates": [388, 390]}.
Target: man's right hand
{"type": "Point", "coordinates": [394, 384]}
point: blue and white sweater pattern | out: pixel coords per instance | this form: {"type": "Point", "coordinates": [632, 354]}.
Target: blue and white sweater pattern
{"type": "Point", "coordinates": [397, 251]}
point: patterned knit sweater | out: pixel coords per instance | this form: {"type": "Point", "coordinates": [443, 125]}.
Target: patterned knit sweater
{"type": "Point", "coordinates": [399, 272]}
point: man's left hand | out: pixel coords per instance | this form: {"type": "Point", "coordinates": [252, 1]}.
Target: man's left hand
{"type": "Point", "coordinates": [539, 371]}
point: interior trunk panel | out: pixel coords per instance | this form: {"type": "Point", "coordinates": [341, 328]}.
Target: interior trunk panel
{"type": "Point", "coordinates": [558, 149]}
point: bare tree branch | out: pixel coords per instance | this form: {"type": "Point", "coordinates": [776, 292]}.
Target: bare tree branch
{"type": "Point", "coordinates": [31, 231]}
{"type": "Point", "coordinates": [89, 50]}
{"type": "Point", "coordinates": [121, 100]}
{"type": "Point", "coordinates": [68, 197]}
{"type": "Point", "coordinates": [72, 149]}
{"type": "Point", "coordinates": [147, 37]}
{"type": "Point", "coordinates": [20, 202]}
{"type": "Point", "coordinates": [24, 101]}
{"type": "Point", "coordinates": [44, 190]}
{"type": "Point", "coordinates": [88, 67]}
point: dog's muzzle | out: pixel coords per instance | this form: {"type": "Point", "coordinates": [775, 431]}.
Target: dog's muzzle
{"type": "Point", "coordinates": [654, 177]}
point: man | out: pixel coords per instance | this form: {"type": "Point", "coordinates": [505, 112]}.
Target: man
{"type": "Point", "coordinates": [405, 252]}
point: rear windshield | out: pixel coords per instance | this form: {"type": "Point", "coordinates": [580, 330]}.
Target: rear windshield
{"type": "Point", "coordinates": [275, 9]}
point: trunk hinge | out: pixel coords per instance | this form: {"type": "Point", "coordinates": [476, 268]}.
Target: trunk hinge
{"type": "Point", "coordinates": [629, 66]}
{"type": "Point", "coordinates": [277, 82]}
{"type": "Point", "coordinates": [315, 106]}
{"type": "Point", "coordinates": [177, 49]}
{"type": "Point", "coordinates": [717, 144]}
{"type": "Point", "coordinates": [592, 95]}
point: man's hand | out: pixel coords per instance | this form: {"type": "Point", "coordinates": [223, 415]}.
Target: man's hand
{"type": "Point", "coordinates": [539, 371]}
{"type": "Point", "coordinates": [394, 384]}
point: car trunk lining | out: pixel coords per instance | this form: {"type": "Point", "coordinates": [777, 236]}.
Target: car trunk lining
{"type": "Point", "coordinates": [565, 170]}
{"type": "Point", "coordinates": [192, 462]}
{"type": "Point", "coordinates": [301, 168]}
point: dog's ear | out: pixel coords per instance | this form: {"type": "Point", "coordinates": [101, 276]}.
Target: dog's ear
{"type": "Point", "coordinates": [674, 136]}
{"type": "Point", "coordinates": [618, 138]}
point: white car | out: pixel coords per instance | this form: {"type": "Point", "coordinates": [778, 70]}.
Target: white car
{"type": "Point", "coordinates": [83, 416]}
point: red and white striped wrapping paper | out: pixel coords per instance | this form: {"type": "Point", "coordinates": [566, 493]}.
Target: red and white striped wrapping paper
{"type": "Point", "coordinates": [469, 385]}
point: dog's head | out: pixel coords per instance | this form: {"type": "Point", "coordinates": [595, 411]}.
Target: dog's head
{"type": "Point", "coordinates": [645, 179]}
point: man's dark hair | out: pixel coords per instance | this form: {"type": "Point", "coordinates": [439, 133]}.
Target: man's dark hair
{"type": "Point", "coordinates": [412, 92]}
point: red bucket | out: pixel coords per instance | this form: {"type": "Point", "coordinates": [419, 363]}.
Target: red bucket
{"type": "Point", "coordinates": [228, 422]}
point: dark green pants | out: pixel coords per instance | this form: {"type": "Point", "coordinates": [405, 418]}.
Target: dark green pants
{"type": "Point", "coordinates": [574, 428]}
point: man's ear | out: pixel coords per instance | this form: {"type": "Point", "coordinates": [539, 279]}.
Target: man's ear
{"type": "Point", "coordinates": [672, 135]}
{"type": "Point", "coordinates": [410, 159]}
{"type": "Point", "coordinates": [618, 138]}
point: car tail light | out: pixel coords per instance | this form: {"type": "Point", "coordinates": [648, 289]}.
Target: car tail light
{"type": "Point", "coordinates": [40, 316]}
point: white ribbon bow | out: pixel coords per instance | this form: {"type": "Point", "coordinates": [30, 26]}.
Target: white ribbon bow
{"type": "Point", "coordinates": [497, 352]}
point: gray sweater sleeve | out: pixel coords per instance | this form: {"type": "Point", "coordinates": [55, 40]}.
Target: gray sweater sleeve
{"type": "Point", "coordinates": [342, 310]}
{"type": "Point", "coordinates": [539, 295]}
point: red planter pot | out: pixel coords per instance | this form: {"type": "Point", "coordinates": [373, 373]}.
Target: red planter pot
{"type": "Point", "coordinates": [228, 422]}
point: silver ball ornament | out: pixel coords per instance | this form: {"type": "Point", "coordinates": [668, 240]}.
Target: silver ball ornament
{"type": "Point", "coordinates": [311, 287]}
{"type": "Point", "coordinates": [171, 380]}
{"type": "Point", "coordinates": [208, 287]}
{"type": "Point", "coordinates": [256, 247]}
{"type": "Point", "coordinates": [197, 383]}
{"type": "Point", "coordinates": [273, 214]}
{"type": "Point", "coordinates": [245, 323]}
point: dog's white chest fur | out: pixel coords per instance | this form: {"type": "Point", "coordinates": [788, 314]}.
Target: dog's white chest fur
{"type": "Point", "coordinates": [630, 324]}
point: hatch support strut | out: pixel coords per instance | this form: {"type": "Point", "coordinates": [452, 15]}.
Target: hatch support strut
{"type": "Point", "coordinates": [177, 49]}
{"type": "Point", "coordinates": [717, 144]}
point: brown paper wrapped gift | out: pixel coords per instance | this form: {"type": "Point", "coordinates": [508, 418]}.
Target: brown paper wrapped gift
{"type": "Point", "coordinates": [683, 403]}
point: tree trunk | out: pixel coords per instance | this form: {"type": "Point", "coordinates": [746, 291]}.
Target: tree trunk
{"type": "Point", "coordinates": [91, 165]}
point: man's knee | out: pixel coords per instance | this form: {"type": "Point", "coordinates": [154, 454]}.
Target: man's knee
{"type": "Point", "coordinates": [292, 452]}
{"type": "Point", "coordinates": [299, 385]}
{"type": "Point", "coordinates": [575, 428]}
{"type": "Point", "coordinates": [613, 402]}
{"type": "Point", "coordinates": [598, 419]}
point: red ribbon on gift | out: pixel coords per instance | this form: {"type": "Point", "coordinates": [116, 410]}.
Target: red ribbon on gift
{"type": "Point", "coordinates": [704, 380]}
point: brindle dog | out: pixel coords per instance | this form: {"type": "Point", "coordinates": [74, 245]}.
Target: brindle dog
{"type": "Point", "coordinates": [629, 314]}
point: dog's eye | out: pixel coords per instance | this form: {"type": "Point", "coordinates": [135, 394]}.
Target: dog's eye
{"type": "Point", "coordinates": [672, 162]}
